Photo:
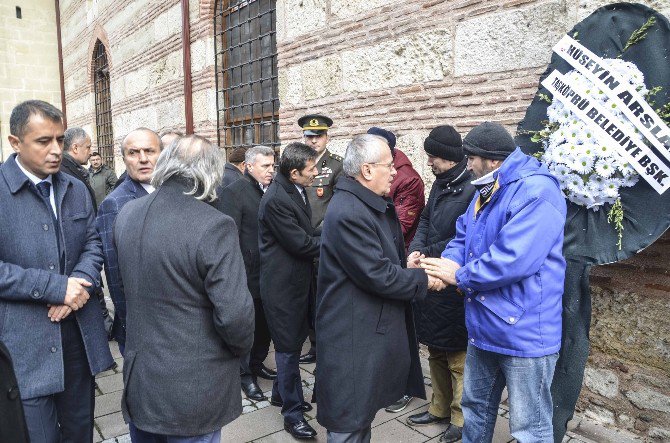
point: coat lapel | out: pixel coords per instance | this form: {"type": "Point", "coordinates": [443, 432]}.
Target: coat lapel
{"type": "Point", "coordinates": [292, 191]}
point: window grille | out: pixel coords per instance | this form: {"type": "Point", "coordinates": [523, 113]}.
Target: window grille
{"type": "Point", "coordinates": [103, 105]}
{"type": "Point", "coordinates": [246, 73]}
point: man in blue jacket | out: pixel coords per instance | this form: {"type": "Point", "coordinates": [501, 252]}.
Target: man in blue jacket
{"type": "Point", "coordinates": [50, 261]}
{"type": "Point", "coordinates": [506, 259]}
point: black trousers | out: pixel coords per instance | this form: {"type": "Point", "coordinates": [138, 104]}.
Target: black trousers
{"type": "Point", "coordinates": [66, 416]}
{"type": "Point", "coordinates": [288, 386]}
{"type": "Point", "coordinates": [260, 348]}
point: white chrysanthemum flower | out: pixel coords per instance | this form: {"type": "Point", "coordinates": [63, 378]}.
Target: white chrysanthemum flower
{"type": "Point", "coordinates": [604, 169]}
{"type": "Point", "coordinates": [611, 188]}
{"type": "Point", "coordinates": [627, 170]}
{"type": "Point", "coordinates": [583, 164]}
{"type": "Point", "coordinates": [604, 151]}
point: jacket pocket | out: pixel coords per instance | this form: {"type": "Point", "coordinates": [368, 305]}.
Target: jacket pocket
{"type": "Point", "coordinates": [501, 306]}
{"type": "Point", "coordinates": [382, 323]}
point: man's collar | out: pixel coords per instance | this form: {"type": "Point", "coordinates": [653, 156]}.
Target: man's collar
{"type": "Point", "coordinates": [376, 202]}
{"type": "Point", "coordinates": [147, 187]}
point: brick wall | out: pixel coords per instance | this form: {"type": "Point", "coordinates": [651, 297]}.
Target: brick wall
{"type": "Point", "coordinates": [27, 46]}
{"type": "Point", "coordinates": [144, 50]}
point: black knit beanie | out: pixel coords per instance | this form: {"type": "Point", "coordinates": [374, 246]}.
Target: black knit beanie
{"type": "Point", "coordinates": [489, 140]}
{"type": "Point", "coordinates": [444, 142]}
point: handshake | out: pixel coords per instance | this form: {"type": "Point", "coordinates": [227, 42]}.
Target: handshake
{"type": "Point", "coordinates": [441, 271]}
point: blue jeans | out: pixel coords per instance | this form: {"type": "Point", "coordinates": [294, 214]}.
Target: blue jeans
{"type": "Point", "coordinates": [147, 437]}
{"type": "Point", "coordinates": [528, 383]}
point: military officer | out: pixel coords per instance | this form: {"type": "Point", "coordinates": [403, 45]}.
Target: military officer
{"type": "Point", "coordinates": [329, 167]}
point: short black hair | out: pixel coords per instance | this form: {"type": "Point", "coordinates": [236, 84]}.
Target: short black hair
{"type": "Point", "coordinates": [22, 112]}
{"type": "Point", "coordinates": [72, 136]}
{"type": "Point", "coordinates": [295, 156]}
{"type": "Point", "coordinates": [95, 153]}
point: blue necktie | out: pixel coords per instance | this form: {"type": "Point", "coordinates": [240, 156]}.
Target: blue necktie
{"type": "Point", "coordinates": [44, 187]}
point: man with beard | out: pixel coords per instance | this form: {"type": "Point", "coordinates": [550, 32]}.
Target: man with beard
{"type": "Point", "coordinates": [440, 318]}
{"type": "Point", "coordinates": [507, 261]}
{"type": "Point", "coordinates": [240, 200]}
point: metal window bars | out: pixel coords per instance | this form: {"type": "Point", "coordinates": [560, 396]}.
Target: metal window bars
{"type": "Point", "coordinates": [246, 73]}
{"type": "Point", "coordinates": [103, 104]}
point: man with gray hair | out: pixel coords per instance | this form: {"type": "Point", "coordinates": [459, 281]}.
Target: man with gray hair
{"type": "Point", "coordinates": [241, 200]}
{"type": "Point", "coordinates": [368, 352]}
{"type": "Point", "coordinates": [190, 316]}
{"type": "Point", "coordinates": [76, 151]}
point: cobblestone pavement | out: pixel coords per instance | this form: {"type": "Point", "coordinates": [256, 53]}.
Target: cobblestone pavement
{"type": "Point", "coordinates": [261, 422]}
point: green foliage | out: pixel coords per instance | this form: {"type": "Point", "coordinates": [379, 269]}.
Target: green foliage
{"type": "Point", "coordinates": [639, 34]}
{"type": "Point", "coordinates": [544, 97]}
{"type": "Point", "coordinates": [615, 215]}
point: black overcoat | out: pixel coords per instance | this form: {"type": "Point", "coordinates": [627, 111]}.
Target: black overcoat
{"type": "Point", "coordinates": [231, 175]}
{"type": "Point", "coordinates": [12, 421]}
{"type": "Point", "coordinates": [240, 201]}
{"type": "Point", "coordinates": [368, 353]}
{"type": "Point", "coordinates": [189, 313]}
{"type": "Point", "coordinates": [288, 246]}
{"type": "Point", "coordinates": [440, 317]}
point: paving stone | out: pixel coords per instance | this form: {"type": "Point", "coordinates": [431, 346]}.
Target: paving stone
{"type": "Point", "coordinates": [384, 417]}
{"type": "Point", "coordinates": [396, 432]}
{"type": "Point", "coordinates": [108, 403]}
{"type": "Point", "coordinates": [595, 431]}
{"type": "Point", "coordinates": [247, 409]}
{"type": "Point", "coordinates": [284, 437]}
{"type": "Point", "coordinates": [253, 426]}
{"type": "Point", "coordinates": [262, 404]}
{"type": "Point", "coordinates": [246, 402]}
{"type": "Point", "coordinates": [111, 425]}
{"type": "Point", "coordinates": [114, 348]}
{"type": "Point", "coordinates": [119, 365]}
{"type": "Point", "coordinates": [105, 373]}
{"type": "Point", "coordinates": [111, 383]}
{"type": "Point", "coordinates": [501, 431]}
{"type": "Point", "coordinates": [123, 439]}
{"type": "Point", "coordinates": [96, 436]}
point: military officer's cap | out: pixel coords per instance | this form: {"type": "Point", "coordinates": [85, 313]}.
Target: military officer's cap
{"type": "Point", "coordinates": [314, 124]}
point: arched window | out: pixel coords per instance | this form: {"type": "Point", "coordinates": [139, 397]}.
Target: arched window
{"type": "Point", "coordinates": [103, 104]}
{"type": "Point", "coordinates": [246, 73]}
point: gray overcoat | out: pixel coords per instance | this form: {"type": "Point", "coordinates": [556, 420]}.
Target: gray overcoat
{"type": "Point", "coordinates": [368, 352]}
{"type": "Point", "coordinates": [189, 313]}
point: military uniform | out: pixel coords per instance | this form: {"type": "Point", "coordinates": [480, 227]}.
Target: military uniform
{"type": "Point", "coordinates": [329, 168]}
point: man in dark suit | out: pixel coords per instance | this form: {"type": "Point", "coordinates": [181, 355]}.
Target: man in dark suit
{"type": "Point", "coordinates": [140, 150]}
{"type": "Point", "coordinates": [12, 421]}
{"type": "Point", "coordinates": [190, 316]}
{"type": "Point", "coordinates": [234, 169]}
{"type": "Point", "coordinates": [50, 259]}
{"type": "Point", "coordinates": [240, 201]}
{"type": "Point", "coordinates": [76, 152]}
{"type": "Point", "coordinates": [288, 246]}
{"type": "Point", "coordinates": [368, 353]}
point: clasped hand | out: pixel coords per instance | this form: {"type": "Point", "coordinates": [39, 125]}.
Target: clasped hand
{"type": "Point", "coordinates": [76, 297]}
{"type": "Point", "coordinates": [441, 272]}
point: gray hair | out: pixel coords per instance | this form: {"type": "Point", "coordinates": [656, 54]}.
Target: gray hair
{"type": "Point", "coordinates": [196, 159]}
{"type": "Point", "coordinates": [362, 149]}
{"type": "Point", "coordinates": [253, 152]}
{"type": "Point", "coordinates": [73, 136]}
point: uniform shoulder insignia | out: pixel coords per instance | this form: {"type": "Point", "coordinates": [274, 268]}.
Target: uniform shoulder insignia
{"type": "Point", "coordinates": [335, 156]}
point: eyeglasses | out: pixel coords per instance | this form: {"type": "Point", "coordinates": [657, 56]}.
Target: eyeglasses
{"type": "Point", "coordinates": [388, 165]}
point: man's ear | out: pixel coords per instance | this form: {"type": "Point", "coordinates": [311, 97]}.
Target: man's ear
{"type": "Point", "coordinates": [14, 142]}
{"type": "Point", "coordinates": [293, 174]}
{"type": "Point", "coordinates": [366, 172]}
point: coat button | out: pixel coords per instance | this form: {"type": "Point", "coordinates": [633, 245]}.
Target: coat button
{"type": "Point", "coordinates": [512, 319]}
{"type": "Point", "coordinates": [36, 294]}
{"type": "Point", "coordinates": [482, 298]}
{"type": "Point", "coordinates": [52, 266]}
{"type": "Point", "coordinates": [53, 349]}
{"type": "Point", "coordinates": [45, 227]}
{"type": "Point", "coordinates": [472, 340]}
{"type": "Point", "coordinates": [469, 300]}
{"type": "Point", "coordinates": [471, 254]}
{"type": "Point", "coordinates": [13, 393]}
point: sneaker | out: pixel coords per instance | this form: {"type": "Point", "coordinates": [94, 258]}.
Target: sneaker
{"type": "Point", "coordinates": [400, 405]}
{"type": "Point", "coordinates": [451, 434]}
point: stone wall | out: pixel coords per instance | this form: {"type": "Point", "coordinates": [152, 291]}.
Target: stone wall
{"type": "Point", "coordinates": [27, 46]}
{"type": "Point", "coordinates": [144, 51]}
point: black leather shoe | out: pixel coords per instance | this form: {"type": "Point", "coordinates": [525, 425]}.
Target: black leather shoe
{"type": "Point", "coordinates": [425, 418]}
{"type": "Point", "coordinates": [264, 372]}
{"type": "Point", "coordinates": [307, 359]}
{"type": "Point", "coordinates": [452, 434]}
{"type": "Point", "coordinates": [306, 407]}
{"type": "Point", "coordinates": [253, 391]}
{"type": "Point", "coordinates": [300, 430]}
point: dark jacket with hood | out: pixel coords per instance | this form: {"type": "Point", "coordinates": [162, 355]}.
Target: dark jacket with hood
{"type": "Point", "coordinates": [407, 193]}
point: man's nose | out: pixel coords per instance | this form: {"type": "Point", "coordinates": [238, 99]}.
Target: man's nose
{"type": "Point", "coordinates": [56, 148]}
{"type": "Point", "coordinates": [143, 156]}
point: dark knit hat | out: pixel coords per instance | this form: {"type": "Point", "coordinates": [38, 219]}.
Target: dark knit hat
{"type": "Point", "coordinates": [444, 142]}
{"type": "Point", "coordinates": [489, 140]}
{"type": "Point", "coordinates": [388, 135]}
{"type": "Point", "coordinates": [237, 155]}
